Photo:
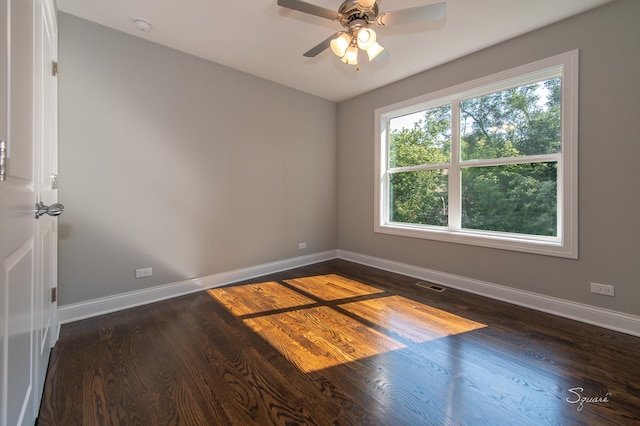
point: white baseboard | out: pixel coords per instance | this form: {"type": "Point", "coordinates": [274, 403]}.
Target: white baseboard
{"type": "Point", "coordinates": [105, 305]}
{"type": "Point", "coordinates": [605, 318]}
{"type": "Point", "coordinates": [625, 323]}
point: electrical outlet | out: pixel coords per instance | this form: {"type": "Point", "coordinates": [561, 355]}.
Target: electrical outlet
{"type": "Point", "coordinates": [302, 246]}
{"type": "Point", "coordinates": [144, 272]}
{"type": "Point", "coordinates": [604, 289]}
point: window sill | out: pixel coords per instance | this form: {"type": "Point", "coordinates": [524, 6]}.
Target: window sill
{"type": "Point", "coordinates": [548, 246]}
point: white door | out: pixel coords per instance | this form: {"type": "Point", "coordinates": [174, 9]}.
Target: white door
{"type": "Point", "coordinates": [27, 245]}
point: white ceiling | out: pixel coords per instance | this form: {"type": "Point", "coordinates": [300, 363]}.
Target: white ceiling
{"type": "Point", "coordinates": [265, 40]}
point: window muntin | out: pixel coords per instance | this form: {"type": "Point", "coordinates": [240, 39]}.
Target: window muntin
{"type": "Point", "coordinates": [491, 162]}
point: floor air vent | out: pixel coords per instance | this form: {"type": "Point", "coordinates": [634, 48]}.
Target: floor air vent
{"type": "Point", "coordinates": [430, 286]}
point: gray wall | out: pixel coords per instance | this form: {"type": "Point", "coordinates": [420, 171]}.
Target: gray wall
{"type": "Point", "coordinates": [172, 162]}
{"type": "Point", "coordinates": [609, 149]}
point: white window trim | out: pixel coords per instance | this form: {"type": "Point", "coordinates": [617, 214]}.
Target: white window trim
{"type": "Point", "coordinates": [566, 243]}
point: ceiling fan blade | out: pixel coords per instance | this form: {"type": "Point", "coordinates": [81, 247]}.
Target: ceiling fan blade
{"type": "Point", "coordinates": [311, 9]}
{"type": "Point", "coordinates": [314, 51]}
{"type": "Point", "coordinates": [412, 15]}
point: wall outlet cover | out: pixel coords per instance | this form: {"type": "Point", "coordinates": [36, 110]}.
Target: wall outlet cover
{"type": "Point", "coordinates": [144, 272]}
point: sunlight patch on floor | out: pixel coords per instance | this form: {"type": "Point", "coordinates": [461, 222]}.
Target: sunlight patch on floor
{"type": "Point", "coordinates": [260, 297]}
{"type": "Point", "coordinates": [410, 319]}
{"type": "Point", "coordinates": [317, 338]}
{"type": "Point", "coordinates": [332, 287]}
{"type": "Point", "coordinates": [327, 320]}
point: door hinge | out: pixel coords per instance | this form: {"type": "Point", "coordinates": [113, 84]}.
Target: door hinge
{"type": "Point", "coordinates": [54, 294]}
{"type": "Point", "coordinates": [54, 68]}
{"type": "Point", "coordinates": [3, 161]}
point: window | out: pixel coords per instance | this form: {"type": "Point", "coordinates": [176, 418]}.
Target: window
{"type": "Point", "coordinates": [492, 162]}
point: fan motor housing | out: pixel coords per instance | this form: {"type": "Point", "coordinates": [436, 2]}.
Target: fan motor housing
{"type": "Point", "coordinates": [351, 11]}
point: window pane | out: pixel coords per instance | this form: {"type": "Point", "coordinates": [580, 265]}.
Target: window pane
{"type": "Point", "coordinates": [512, 123]}
{"type": "Point", "coordinates": [517, 198]}
{"type": "Point", "coordinates": [420, 138]}
{"type": "Point", "coordinates": [419, 197]}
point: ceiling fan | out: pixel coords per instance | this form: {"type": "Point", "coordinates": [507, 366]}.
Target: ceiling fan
{"type": "Point", "coordinates": [356, 16]}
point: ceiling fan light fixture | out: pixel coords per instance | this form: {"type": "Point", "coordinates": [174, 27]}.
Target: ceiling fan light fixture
{"type": "Point", "coordinates": [356, 16]}
{"type": "Point", "coordinates": [366, 38]}
{"type": "Point", "coordinates": [351, 57]}
{"type": "Point", "coordinates": [374, 51]}
{"type": "Point", "coordinates": [340, 44]}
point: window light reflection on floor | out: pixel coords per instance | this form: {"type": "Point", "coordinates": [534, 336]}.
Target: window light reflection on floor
{"type": "Point", "coordinates": [326, 320]}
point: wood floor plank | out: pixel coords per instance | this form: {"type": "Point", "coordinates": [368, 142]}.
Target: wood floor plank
{"type": "Point", "coordinates": [338, 343]}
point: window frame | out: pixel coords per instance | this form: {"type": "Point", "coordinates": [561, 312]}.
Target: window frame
{"type": "Point", "coordinates": [565, 244]}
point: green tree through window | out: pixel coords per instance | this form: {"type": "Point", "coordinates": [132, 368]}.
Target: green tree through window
{"type": "Point", "coordinates": [421, 196]}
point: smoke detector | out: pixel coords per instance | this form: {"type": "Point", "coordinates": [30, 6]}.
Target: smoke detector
{"type": "Point", "coordinates": [142, 25]}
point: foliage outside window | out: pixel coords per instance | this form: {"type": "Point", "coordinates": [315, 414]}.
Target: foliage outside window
{"type": "Point", "coordinates": [491, 162]}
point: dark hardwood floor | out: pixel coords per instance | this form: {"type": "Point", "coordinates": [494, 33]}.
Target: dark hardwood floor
{"type": "Point", "coordinates": [339, 344]}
